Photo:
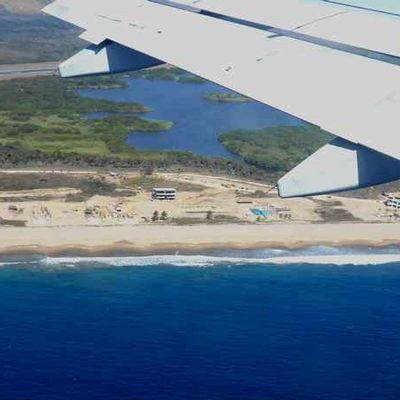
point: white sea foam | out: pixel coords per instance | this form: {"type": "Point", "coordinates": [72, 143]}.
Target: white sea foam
{"type": "Point", "coordinates": [142, 261]}
{"type": "Point", "coordinates": [12, 263]}
{"type": "Point", "coordinates": [209, 261]}
{"type": "Point", "coordinates": [344, 259]}
{"type": "Point", "coordinates": [280, 257]}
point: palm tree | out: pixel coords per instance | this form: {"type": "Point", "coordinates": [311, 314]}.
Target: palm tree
{"type": "Point", "coordinates": [156, 216]}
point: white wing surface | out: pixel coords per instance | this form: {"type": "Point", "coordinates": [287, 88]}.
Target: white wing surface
{"type": "Point", "coordinates": [324, 20]}
{"type": "Point", "coordinates": [352, 96]}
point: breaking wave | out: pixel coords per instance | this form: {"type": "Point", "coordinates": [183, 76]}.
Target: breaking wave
{"type": "Point", "coordinates": [278, 257]}
{"type": "Point", "coordinates": [209, 261]}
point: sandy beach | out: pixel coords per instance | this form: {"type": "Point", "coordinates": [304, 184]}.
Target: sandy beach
{"type": "Point", "coordinates": [53, 212]}
{"type": "Point", "coordinates": [156, 239]}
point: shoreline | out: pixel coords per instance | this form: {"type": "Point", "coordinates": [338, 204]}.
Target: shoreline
{"type": "Point", "coordinates": [171, 239]}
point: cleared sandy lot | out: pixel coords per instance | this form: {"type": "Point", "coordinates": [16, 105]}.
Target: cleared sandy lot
{"type": "Point", "coordinates": [55, 211]}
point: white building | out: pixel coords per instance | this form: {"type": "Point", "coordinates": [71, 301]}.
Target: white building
{"type": "Point", "coordinates": [164, 194]}
{"type": "Point", "coordinates": [392, 200]}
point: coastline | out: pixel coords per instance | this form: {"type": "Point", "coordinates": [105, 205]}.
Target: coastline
{"type": "Point", "coordinates": [171, 239]}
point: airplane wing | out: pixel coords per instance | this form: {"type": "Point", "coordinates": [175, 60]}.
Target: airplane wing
{"type": "Point", "coordinates": [334, 66]}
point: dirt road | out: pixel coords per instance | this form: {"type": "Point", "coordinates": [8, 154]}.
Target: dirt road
{"type": "Point", "coordinates": [15, 71]}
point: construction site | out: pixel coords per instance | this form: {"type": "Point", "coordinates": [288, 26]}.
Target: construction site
{"type": "Point", "coordinates": [79, 198]}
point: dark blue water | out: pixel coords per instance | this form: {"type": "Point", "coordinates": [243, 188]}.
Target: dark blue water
{"type": "Point", "coordinates": [198, 122]}
{"type": "Point", "coordinates": [164, 332]}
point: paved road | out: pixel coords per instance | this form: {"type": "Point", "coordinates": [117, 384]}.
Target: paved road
{"type": "Point", "coordinates": [14, 71]}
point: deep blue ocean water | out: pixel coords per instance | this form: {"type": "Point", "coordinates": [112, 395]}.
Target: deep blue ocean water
{"type": "Point", "coordinates": [262, 331]}
{"type": "Point", "coordinates": [197, 122]}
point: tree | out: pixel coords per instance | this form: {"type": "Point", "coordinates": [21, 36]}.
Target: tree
{"type": "Point", "coordinates": [164, 216]}
{"type": "Point", "coordinates": [148, 171]}
{"type": "Point", "coordinates": [156, 216]}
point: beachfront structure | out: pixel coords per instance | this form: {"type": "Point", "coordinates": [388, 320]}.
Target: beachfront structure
{"type": "Point", "coordinates": [271, 211]}
{"type": "Point", "coordinates": [392, 200]}
{"type": "Point", "coordinates": [163, 194]}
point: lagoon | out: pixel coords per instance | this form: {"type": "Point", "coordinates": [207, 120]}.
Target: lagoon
{"type": "Point", "coordinates": [197, 122]}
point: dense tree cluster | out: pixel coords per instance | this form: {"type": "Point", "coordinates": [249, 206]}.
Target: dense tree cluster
{"type": "Point", "coordinates": [275, 150]}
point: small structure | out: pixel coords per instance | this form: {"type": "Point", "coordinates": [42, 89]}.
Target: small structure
{"type": "Point", "coordinates": [163, 194]}
{"type": "Point", "coordinates": [258, 212]}
{"type": "Point", "coordinates": [272, 212]}
{"type": "Point", "coordinates": [244, 201]}
{"type": "Point", "coordinates": [88, 212]}
{"type": "Point", "coordinates": [392, 200]}
{"type": "Point", "coordinates": [13, 208]}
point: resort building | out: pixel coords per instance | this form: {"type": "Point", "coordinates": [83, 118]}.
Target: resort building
{"type": "Point", "coordinates": [163, 194]}
{"type": "Point", "coordinates": [392, 200]}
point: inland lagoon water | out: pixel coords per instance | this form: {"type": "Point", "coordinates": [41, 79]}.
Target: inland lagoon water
{"type": "Point", "coordinates": [221, 326]}
{"type": "Point", "coordinates": [197, 122]}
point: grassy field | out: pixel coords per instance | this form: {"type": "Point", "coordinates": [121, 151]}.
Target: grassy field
{"type": "Point", "coordinates": [29, 36]}
{"type": "Point", "coordinates": [47, 115]}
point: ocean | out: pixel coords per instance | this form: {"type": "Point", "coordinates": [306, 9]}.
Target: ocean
{"type": "Point", "coordinates": [318, 323]}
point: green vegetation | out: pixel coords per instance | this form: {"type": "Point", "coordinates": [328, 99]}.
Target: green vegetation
{"type": "Point", "coordinates": [156, 216]}
{"type": "Point", "coordinates": [167, 74]}
{"type": "Point", "coordinates": [53, 98]}
{"type": "Point", "coordinates": [118, 81]}
{"type": "Point", "coordinates": [100, 82]}
{"type": "Point", "coordinates": [275, 150]}
{"type": "Point", "coordinates": [154, 74]}
{"type": "Point", "coordinates": [35, 38]}
{"type": "Point", "coordinates": [227, 98]}
{"type": "Point", "coordinates": [47, 115]}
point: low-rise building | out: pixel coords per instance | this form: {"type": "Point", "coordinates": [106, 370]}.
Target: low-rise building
{"type": "Point", "coordinates": [392, 200]}
{"type": "Point", "coordinates": [163, 194]}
